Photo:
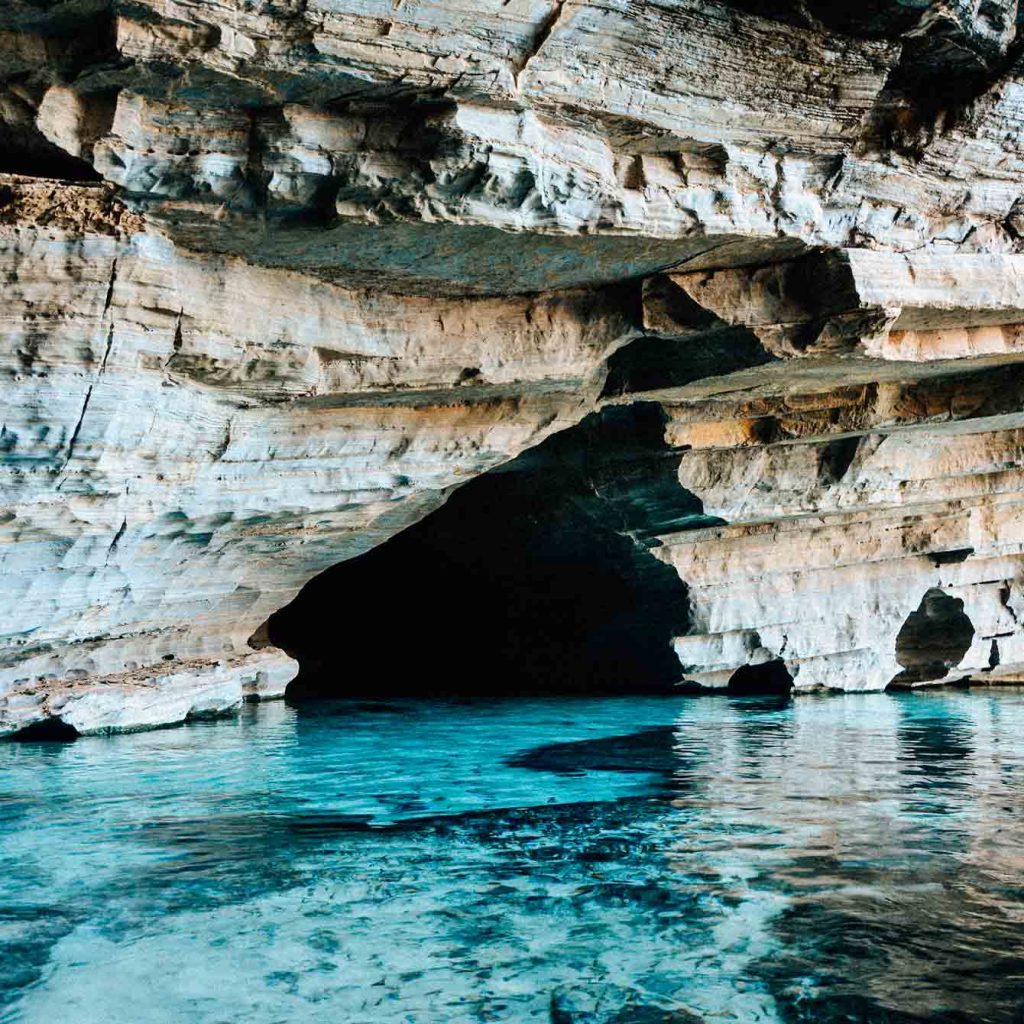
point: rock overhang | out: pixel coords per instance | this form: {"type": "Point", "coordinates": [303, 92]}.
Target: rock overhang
{"type": "Point", "coordinates": [348, 257]}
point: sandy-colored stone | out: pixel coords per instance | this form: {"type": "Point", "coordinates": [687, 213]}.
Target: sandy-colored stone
{"type": "Point", "coordinates": [310, 266]}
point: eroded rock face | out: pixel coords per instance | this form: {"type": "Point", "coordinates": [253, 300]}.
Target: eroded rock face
{"type": "Point", "coordinates": [186, 442]}
{"type": "Point", "coordinates": [850, 495]}
{"type": "Point", "coordinates": [281, 276]}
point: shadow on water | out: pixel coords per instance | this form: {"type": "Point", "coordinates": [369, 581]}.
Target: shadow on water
{"type": "Point", "coordinates": [930, 954]}
{"type": "Point", "coordinates": [651, 750]}
{"type": "Point", "coordinates": [760, 703]}
{"type": "Point", "coordinates": [935, 756]}
{"type": "Point", "coordinates": [935, 746]}
{"type": "Point", "coordinates": [28, 933]}
{"type": "Point", "coordinates": [754, 858]}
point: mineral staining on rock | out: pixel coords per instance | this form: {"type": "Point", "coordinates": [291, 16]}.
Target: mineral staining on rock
{"type": "Point", "coordinates": [279, 277]}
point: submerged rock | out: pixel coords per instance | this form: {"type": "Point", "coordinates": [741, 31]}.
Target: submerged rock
{"type": "Point", "coordinates": [651, 750]}
{"type": "Point", "coordinates": [611, 1004]}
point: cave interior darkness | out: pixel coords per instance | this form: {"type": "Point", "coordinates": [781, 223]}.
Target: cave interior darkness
{"type": "Point", "coordinates": [934, 639]}
{"type": "Point", "coordinates": [539, 578]}
{"type": "Point", "coordinates": [536, 578]}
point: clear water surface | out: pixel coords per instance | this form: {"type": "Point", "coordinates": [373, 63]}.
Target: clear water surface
{"type": "Point", "coordinates": [852, 858]}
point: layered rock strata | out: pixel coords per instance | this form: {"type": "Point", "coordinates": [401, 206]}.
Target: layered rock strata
{"type": "Point", "coordinates": [279, 277]}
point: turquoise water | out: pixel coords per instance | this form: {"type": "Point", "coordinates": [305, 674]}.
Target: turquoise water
{"type": "Point", "coordinates": [849, 858]}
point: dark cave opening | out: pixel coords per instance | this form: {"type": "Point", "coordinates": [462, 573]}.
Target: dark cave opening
{"type": "Point", "coordinates": [655, 362]}
{"type": "Point", "coordinates": [683, 343]}
{"type": "Point", "coordinates": [769, 677]}
{"type": "Point", "coordinates": [27, 153]}
{"type": "Point", "coordinates": [536, 578]}
{"type": "Point", "coordinates": [50, 730]}
{"type": "Point", "coordinates": [934, 639]}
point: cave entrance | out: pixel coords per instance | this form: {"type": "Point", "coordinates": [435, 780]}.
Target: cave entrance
{"type": "Point", "coordinates": [770, 677]}
{"type": "Point", "coordinates": [934, 639]}
{"type": "Point", "coordinates": [51, 730]}
{"type": "Point", "coordinates": [535, 578]}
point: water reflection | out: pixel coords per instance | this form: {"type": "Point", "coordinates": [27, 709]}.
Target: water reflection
{"type": "Point", "coordinates": [936, 744]}
{"type": "Point", "coordinates": [755, 859]}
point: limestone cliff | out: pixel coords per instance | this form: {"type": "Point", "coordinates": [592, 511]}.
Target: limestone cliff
{"type": "Point", "coordinates": [280, 276]}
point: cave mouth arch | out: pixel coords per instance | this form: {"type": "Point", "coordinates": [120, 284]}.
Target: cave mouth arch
{"type": "Point", "coordinates": [933, 639]}
{"type": "Point", "coordinates": [766, 678]}
{"type": "Point", "coordinates": [50, 730]}
{"type": "Point", "coordinates": [535, 578]}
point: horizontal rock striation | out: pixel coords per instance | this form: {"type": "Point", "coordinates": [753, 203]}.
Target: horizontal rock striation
{"type": "Point", "coordinates": [845, 506]}
{"type": "Point", "coordinates": [185, 443]}
{"type": "Point", "coordinates": [280, 277]}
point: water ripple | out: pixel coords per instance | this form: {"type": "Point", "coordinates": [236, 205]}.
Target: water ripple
{"type": "Point", "coordinates": [846, 859]}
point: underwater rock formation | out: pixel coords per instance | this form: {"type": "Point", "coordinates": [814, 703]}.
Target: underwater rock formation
{"type": "Point", "coordinates": [280, 277]}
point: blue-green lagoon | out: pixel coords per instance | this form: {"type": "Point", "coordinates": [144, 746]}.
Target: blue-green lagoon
{"type": "Point", "coordinates": [854, 858]}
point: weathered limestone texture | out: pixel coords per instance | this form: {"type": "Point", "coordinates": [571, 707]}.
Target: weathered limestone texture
{"type": "Point", "coordinates": [279, 276]}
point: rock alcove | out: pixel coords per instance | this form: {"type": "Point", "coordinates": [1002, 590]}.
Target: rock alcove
{"type": "Point", "coordinates": [535, 578]}
{"type": "Point", "coordinates": [769, 677]}
{"type": "Point", "coordinates": [934, 639]}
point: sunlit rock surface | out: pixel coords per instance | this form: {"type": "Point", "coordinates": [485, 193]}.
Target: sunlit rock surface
{"type": "Point", "coordinates": [279, 277]}
{"type": "Point", "coordinates": [187, 442]}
